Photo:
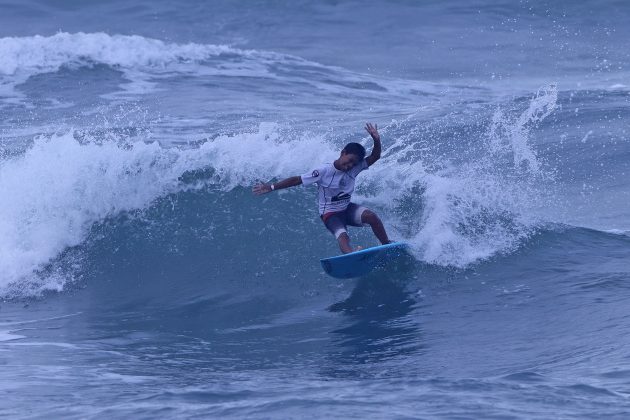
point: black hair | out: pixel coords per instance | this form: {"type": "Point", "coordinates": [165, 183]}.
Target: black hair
{"type": "Point", "coordinates": [355, 149]}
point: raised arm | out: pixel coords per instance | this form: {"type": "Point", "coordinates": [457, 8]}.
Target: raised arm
{"type": "Point", "coordinates": [376, 150]}
{"type": "Point", "coordinates": [285, 183]}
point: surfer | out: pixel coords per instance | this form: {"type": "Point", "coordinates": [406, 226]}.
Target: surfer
{"type": "Point", "coordinates": [335, 185]}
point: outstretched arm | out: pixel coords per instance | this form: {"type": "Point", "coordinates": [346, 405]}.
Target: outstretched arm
{"type": "Point", "coordinates": [376, 150]}
{"type": "Point", "coordinates": [285, 183]}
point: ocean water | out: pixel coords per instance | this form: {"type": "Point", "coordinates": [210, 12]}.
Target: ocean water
{"type": "Point", "coordinates": [141, 278]}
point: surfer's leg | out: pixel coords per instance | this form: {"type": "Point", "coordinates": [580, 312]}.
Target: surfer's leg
{"type": "Point", "coordinates": [335, 224]}
{"type": "Point", "coordinates": [344, 243]}
{"type": "Point", "coordinates": [370, 218]}
{"type": "Point", "coordinates": [361, 216]}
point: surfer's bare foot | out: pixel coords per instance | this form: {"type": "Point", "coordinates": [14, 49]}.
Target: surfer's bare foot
{"type": "Point", "coordinates": [359, 248]}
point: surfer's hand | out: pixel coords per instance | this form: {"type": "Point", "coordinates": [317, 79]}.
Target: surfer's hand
{"type": "Point", "coordinates": [373, 130]}
{"type": "Point", "coordinates": [260, 189]}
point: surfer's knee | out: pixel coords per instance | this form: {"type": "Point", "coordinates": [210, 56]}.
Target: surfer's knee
{"type": "Point", "coordinates": [341, 234]}
{"type": "Point", "coordinates": [369, 217]}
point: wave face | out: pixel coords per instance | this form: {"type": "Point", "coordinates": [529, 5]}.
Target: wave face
{"type": "Point", "coordinates": [131, 245]}
{"type": "Point", "coordinates": [453, 214]}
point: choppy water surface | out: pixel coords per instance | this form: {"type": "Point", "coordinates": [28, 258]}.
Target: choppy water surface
{"type": "Point", "coordinates": [140, 277]}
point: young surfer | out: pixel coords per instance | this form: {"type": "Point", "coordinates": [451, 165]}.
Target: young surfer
{"type": "Point", "coordinates": [335, 184]}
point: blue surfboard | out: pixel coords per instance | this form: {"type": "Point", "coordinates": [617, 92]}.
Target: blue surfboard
{"type": "Point", "coordinates": [359, 263]}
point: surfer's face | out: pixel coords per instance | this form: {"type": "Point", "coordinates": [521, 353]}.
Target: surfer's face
{"type": "Point", "coordinates": [347, 161]}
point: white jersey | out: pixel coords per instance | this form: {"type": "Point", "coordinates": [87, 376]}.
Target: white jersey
{"type": "Point", "coordinates": [334, 187]}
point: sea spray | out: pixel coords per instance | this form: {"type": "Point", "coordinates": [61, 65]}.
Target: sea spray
{"type": "Point", "coordinates": [477, 197]}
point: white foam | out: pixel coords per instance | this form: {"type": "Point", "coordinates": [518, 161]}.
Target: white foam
{"type": "Point", "coordinates": [40, 54]}
{"type": "Point", "coordinates": [60, 187]}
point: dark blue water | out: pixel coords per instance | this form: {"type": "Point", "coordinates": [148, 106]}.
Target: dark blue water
{"type": "Point", "coordinates": [140, 277]}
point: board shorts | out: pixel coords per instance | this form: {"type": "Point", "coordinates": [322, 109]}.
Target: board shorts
{"type": "Point", "coordinates": [338, 221]}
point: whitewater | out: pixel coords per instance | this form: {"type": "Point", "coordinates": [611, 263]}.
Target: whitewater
{"type": "Point", "coordinates": [140, 277]}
